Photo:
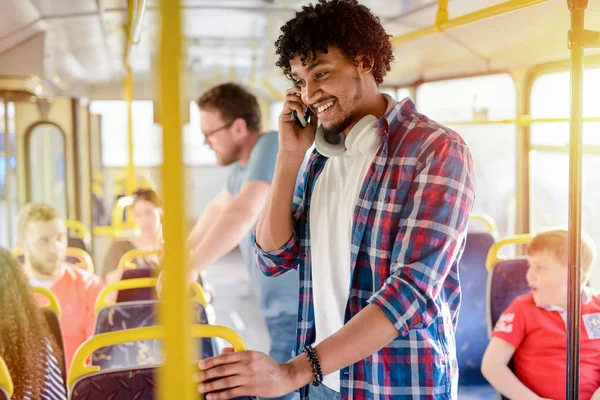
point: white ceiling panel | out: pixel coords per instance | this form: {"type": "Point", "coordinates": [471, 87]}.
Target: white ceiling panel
{"type": "Point", "coordinates": [64, 7]}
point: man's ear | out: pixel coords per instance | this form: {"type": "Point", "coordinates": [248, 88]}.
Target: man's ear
{"type": "Point", "coordinates": [240, 127]}
{"type": "Point", "coordinates": [364, 65]}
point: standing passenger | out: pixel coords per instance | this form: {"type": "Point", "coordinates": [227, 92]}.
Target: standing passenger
{"type": "Point", "coordinates": [42, 236]}
{"type": "Point", "coordinates": [376, 230]}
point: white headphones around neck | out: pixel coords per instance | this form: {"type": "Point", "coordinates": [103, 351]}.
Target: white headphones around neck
{"type": "Point", "coordinates": [335, 144]}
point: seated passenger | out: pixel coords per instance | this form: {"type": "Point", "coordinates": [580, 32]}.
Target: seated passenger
{"type": "Point", "coordinates": [42, 237]}
{"type": "Point", "coordinates": [147, 209]}
{"type": "Point", "coordinates": [26, 342]}
{"type": "Point", "coordinates": [532, 330]}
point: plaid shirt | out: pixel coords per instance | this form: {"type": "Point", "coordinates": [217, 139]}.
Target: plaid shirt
{"type": "Point", "coordinates": [408, 235]}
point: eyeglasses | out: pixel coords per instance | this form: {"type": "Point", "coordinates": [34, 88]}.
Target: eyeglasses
{"type": "Point", "coordinates": [227, 125]}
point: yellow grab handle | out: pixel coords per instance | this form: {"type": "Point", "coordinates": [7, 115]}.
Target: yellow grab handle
{"type": "Point", "coordinates": [126, 260]}
{"type": "Point", "coordinates": [53, 301]}
{"type": "Point", "coordinates": [6, 382]}
{"type": "Point", "coordinates": [199, 294]}
{"type": "Point", "coordinates": [79, 367]}
{"type": "Point", "coordinates": [85, 260]}
{"type": "Point", "coordinates": [493, 257]}
{"type": "Point", "coordinates": [80, 229]}
{"type": "Point", "coordinates": [137, 283]}
{"type": "Point", "coordinates": [487, 220]}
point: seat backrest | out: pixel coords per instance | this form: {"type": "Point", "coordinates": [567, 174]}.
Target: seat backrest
{"type": "Point", "coordinates": [125, 384]}
{"type": "Point", "coordinates": [77, 243]}
{"type": "Point", "coordinates": [144, 352]}
{"type": "Point", "coordinates": [471, 331]}
{"type": "Point", "coordinates": [53, 323]}
{"type": "Point", "coordinates": [142, 294]}
{"type": "Point", "coordinates": [507, 281]}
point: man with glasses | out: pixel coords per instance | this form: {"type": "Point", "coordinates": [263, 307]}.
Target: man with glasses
{"type": "Point", "coordinates": [230, 120]}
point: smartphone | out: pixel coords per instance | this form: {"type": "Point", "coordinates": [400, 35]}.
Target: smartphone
{"type": "Point", "coordinates": [302, 120]}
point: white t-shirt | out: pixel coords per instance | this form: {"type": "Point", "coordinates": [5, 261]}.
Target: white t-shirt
{"type": "Point", "coordinates": [333, 201]}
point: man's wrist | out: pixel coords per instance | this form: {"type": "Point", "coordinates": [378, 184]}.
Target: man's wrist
{"type": "Point", "coordinates": [301, 371]}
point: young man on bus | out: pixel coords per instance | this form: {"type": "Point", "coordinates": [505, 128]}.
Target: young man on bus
{"type": "Point", "coordinates": [376, 229]}
{"type": "Point", "coordinates": [231, 122]}
{"type": "Point", "coordinates": [42, 235]}
{"type": "Point", "coordinates": [532, 330]}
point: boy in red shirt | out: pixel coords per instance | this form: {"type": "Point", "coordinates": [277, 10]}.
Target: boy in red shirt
{"type": "Point", "coordinates": [532, 330]}
{"type": "Point", "coordinates": [42, 236]}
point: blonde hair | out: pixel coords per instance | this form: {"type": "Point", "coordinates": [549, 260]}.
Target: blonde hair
{"type": "Point", "coordinates": [556, 243]}
{"type": "Point", "coordinates": [35, 212]}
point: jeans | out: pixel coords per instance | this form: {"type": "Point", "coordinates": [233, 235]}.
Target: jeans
{"type": "Point", "coordinates": [282, 330]}
{"type": "Point", "coordinates": [322, 392]}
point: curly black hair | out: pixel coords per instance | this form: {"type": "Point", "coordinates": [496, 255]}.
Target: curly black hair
{"type": "Point", "coordinates": [344, 24]}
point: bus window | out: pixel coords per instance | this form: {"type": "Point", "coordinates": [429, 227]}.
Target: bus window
{"type": "Point", "coordinates": [493, 147]}
{"type": "Point", "coordinates": [549, 165]}
{"type": "Point", "coordinates": [147, 138]}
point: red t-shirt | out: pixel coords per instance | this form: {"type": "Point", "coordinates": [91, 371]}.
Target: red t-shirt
{"type": "Point", "coordinates": [540, 338]}
{"type": "Point", "coordinates": [76, 291]}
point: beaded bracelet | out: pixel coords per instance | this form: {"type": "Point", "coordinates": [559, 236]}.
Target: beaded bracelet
{"type": "Point", "coordinates": [313, 360]}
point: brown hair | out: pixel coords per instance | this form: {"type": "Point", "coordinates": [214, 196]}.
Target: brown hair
{"type": "Point", "coordinates": [35, 212]}
{"type": "Point", "coordinates": [556, 243]}
{"type": "Point", "coordinates": [148, 195]}
{"type": "Point", "coordinates": [24, 331]}
{"type": "Point", "coordinates": [233, 101]}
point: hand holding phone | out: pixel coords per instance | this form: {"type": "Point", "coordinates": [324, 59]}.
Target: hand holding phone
{"type": "Point", "coordinates": [302, 120]}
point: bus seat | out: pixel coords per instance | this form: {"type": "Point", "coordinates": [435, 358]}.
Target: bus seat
{"type": "Point", "coordinates": [6, 383]}
{"type": "Point", "coordinates": [506, 282]}
{"type": "Point", "coordinates": [90, 382]}
{"type": "Point", "coordinates": [471, 331]}
{"type": "Point", "coordinates": [77, 243]}
{"type": "Point", "coordinates": [54, 325]}
{"type": "Point", "coordinates": [103, 299]}
{"type": "Point", "coordinates": [140, 294]}
{"type": "Point", "coordinates": [133, 315]}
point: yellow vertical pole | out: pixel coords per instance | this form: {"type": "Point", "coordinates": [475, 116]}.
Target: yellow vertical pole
{"type": "Point", "coordinates": [577, 9]}
{"type": "Point", "coordinates": [129, 101]}
{"type": "Point", "coordinates": [175, 380]}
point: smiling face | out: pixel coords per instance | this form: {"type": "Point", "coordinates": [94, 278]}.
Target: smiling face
{"type": "Point", "coordinates": [333, 87]}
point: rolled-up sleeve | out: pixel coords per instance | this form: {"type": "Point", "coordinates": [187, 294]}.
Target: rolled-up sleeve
{"type": "Point", "coordinates": [431, 235]}
{"type": "Point", "coordinates": [278, 262]}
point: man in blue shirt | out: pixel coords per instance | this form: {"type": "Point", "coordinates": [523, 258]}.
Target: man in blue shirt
{"type": "Point", "coordinates": [230, 120]}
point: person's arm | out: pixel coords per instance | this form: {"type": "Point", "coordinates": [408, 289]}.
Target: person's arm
{"type": "Point", "coordinates": [494, 368]}
{"type": "Point", "coordinates": [229, 226]}
{"type": "Point", "coordinates": [207, 219]}
{"type": "Point", "coordinates": [276, 225]}
{"type": "Point", "coordinates": [596, 395]}
{"type": "Point", "coordinates": [93, 287]}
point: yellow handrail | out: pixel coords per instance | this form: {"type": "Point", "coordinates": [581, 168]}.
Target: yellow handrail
{"type": "Point", "coordinates": [444, 24]}
{"type": "Point", "coordinates": [493, 257]}
{"type": "Point", "coordinates": [175, 313]}
{"type": "Point", "coordinates": [139, 283]}
{"type": "Point", "coordinates": [85, 260]}
{"type": "Point", "coordinates": [487, 220]}
{"type": "Point", "coordinates": [117, 212]}
{"type": "Point", "coordinates": [523, 120]}
{"type": "Point", "coordinates": [6, 382]}
{"type": "Point", "coordinates": [126, 261]}
{"type": "Point", "coordinates": [80, 229]}
{"type": "Point", "coordinates": [52, 300]}
{"type": "Point", "coordinates": [79, 367]}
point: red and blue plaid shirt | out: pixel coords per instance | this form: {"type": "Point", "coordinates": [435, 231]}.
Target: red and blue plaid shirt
{"type": "Point", "coordinates": [408, 235]}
